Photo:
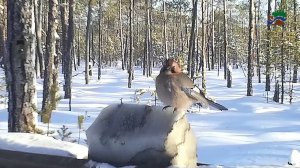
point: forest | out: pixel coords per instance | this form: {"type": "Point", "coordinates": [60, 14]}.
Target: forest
{"type": "Point", "coordinates": [44, 39]}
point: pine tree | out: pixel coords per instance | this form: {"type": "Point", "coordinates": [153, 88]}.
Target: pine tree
{"type": "Point", "coordinates": [19, 66]}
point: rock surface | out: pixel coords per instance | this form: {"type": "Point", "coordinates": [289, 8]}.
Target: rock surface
{"type": "Point", "coordinates": [147, 136]}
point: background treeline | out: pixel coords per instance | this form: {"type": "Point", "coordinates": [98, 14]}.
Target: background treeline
{"type": "Point", "coordinates": [203, 34]}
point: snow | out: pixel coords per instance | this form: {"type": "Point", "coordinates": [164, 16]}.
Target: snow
{"type": "Point", "coordinates": [295, 158]}
{"type": "Point", "coordinates": [34, 143]}
{"type": "Point", "coordinates": [253, 132]}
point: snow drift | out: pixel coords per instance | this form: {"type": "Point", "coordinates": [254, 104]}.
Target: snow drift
{"type": "Point", "coordinates": [40, 144]}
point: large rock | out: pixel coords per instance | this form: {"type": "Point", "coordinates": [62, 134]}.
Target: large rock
{"type": "Point", "coordinates": [147, 136]}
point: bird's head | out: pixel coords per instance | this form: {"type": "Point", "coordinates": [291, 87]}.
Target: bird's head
{"type": "Point", "coordinates": [170, 66]}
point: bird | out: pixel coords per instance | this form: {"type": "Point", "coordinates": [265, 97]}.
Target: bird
{"type": "Point", "coordinates": [175, 89]}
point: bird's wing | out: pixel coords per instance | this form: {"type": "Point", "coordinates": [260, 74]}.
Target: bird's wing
{"type": "Point", "coordinates": [210, 101]}
{"type": "Point", "coordinates": [197, 96]}
{"type": "Point", "coordinates": [196, 93]}
{"type": "Point", "coordinates": [188, 87]}
{"type": "Point", "coordinates": [184, 81]}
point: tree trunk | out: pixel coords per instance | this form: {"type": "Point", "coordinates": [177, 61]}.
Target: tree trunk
{"type": "Point", "coordinates": [229, 77]}
{"type": "Point", "coordinates": [121, 35]}
{"type": "Point", "coordinates": [100, 42]}
{"type": "Point", "coordinates": [136, 30]}
{"type": "Point", "coordinates": [146, 47]}
{"type": "Point", "coordinates": [192, 39]}
{"type": "Point", "coordinates": [74, 50]}
{"type": "Point", "coordinates": [178, 29]}
{"type": "Point", "coordinates": [268, 64]}
{"type": "Point", "coordinates": [150, 47]}
{"type": "Point", "coordinates": [204, 45]}
{"type": "Point", "coordinates": [87, 42]}
{"type": "Point", "coordinates": [126, 51]}
{"type": "Point", "coordinates": [186, 34]}
{"type": "Point", "coordinates": [78, 44]}
{"type": "Point", "coordinates": [276, 92]}
{"type": "Point", "coordinates": [64, 39]}
{"type": "Point", "coordinates": [3, 26]}
{"type": "Point", "coordinates": [45, 21]}
{"type": "Point", "coordinates": [282, 64]}
{"type": "Point", "coordinates": [165, 31]}
{"type": "Point", "coordinates": [92, 56]}
{"type": "Point", "coordinates": [283, 7]}
{"type": "Point", "coordinates": [148, 40]}
{"type": "Point", "coordinates": [37, 64]}
{"type": "Point", "coordinates": [20, 73]}
{"type": "Point", "coordinates": [48, 94]}
{"type": "Point", "coordinates": [91, 50]}
{"type": "Point", "coordinates": [213, 53]}
{"type": "Point", "coordinates": [225, 39]}
{"type": "Point", "coordinates": [68, 56]}
{"type": "Point", "coordinates": [55, 84]}
{"type": "Point", "coordinates": [130, 68]}
{"type": "Point", "coordinates": [145, 59]}
{"type": "Point", "coordinates": [250, 49]}
{"type": "Point", "coordinates": [257, 32]}
{"type": "Point", "coordinates": [173, 36]}
{"type": "Point", "coordinates": [295, 69]}
{"type": "Point", "coordinates": [219, 46]}
{"type": "Point", "coordinates": [207, 32]}
{"type": "Point", "coordinates": [38, 32]}
{"type": "Point", "coordinates": [181, 35]}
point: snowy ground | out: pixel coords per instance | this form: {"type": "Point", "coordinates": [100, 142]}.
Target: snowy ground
{"type": "Point", "coordinates": [252, 132]}
{"type": "Point", "coordinates": [34, 143]}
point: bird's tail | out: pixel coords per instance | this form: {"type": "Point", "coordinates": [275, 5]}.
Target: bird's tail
{"type": "Point", "coordinates": [212, 104]}
{"type": "Point", "coordinates": [202, 100]}
{"type": "Point", "coordinates": [205, 102]}
{"type": "Point", "coordinates": [216, 105]}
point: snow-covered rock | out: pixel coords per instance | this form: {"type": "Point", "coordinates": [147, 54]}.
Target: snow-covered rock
{"type": "Point", "coordinates": [130, 134]}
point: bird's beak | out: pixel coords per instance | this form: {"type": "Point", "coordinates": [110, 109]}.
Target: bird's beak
{"type": "Point", "coordinates": [166, 68]}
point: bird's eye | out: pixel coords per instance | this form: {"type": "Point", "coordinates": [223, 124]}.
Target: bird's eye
{"type": "Point", "coordinates": [173, 69]}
